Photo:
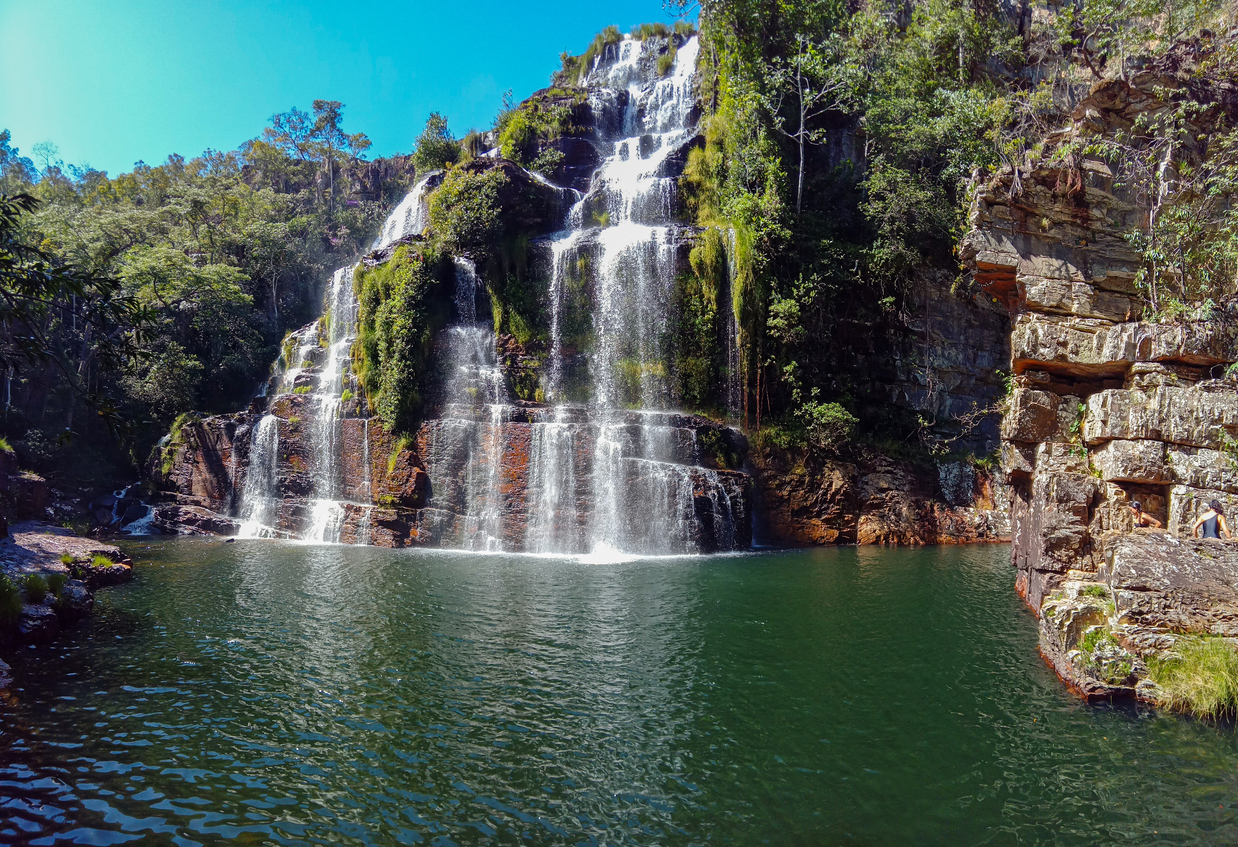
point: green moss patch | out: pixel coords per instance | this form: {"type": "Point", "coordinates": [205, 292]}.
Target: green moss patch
{"type": "Point", "coordinates": [399, 317]}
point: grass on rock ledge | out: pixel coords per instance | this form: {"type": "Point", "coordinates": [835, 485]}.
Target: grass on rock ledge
{"type": "Point", "coordinates": [1200, 677]}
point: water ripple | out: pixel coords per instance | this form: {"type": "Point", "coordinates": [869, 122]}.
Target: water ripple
{"type": "Point", "coordinates": [294, 694]}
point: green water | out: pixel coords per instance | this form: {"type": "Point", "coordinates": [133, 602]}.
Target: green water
{"type": "Point", "coordinates": [278, 693]}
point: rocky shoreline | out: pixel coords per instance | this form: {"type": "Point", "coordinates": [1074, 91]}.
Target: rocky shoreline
{"type": "Point", "coordinates": [77, 566]}
{"type": "Point", "coordinates": [1106, 409]}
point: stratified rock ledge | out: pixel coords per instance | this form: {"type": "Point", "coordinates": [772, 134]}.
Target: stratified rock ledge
{"type": "Point", "coordinates": [1106, 410]}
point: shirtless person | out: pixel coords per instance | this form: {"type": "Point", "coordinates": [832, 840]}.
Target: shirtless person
{"type": "Point", "coordinates": [1142, 518]}
{"type": "Point", "coordinates": [1210, 521]}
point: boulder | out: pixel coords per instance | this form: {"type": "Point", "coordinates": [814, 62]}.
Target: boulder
{"type": "Point", "coordinates": [29, 492]}
{"type": "Point", "coordinates": [1032, 416]}
{"type": "Point", "coordinates": [1199, 467]}
{"type": "Point", "coordinates": [1018, 459]}
{"type": "Point", "coordinates": [37, 623]}
{"type": "Point", "coordinates": [75, 602]}
{"type": "Point", "coordinates": [192, 520]}
{"type": "Point", "coordinates": [97, 575]}
{"type": "Point", "coordinates": [528, 204]}
{"type": "Point", "coordinates": [1175, 585]}
{"type": "Point", "coordinates": [135, 512]}
{"type": "Point", "coordinates": [1073, 297]}
{"type": "Point", "coordinates": [1060, 457]}
{"type": "Point", "coordinates": [1192, 416]}
{"type": "Point", "coordinates": [1097, 667]}
{"type": "Point", "coordinates": [1090, 347]}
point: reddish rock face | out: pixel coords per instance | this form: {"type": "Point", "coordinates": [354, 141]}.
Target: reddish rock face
{"type": "Point", "coordinates": [392, 502]}
{"type": "Point", "coordinates": [876, 500]}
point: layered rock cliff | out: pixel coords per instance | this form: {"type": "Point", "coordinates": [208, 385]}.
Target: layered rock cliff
{"type": "Point", "coordinates": [1106, 409]}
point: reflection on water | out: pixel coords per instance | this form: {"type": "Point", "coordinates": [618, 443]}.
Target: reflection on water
{"type": "Point", "coordinates": [306, 694]}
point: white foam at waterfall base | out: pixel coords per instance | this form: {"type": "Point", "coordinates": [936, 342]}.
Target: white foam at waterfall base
{"type": "Point", "coordinates": [142, 525]}
{"type": "Point", "coordinates": [326, 521]}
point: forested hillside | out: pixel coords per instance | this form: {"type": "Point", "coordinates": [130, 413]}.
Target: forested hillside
{"type": "Point", "coordinates": [840, 145]}
{"type": "Point", "coordinates": [843, 144]}
{"type": "Point", "coordinates": [217, 256]}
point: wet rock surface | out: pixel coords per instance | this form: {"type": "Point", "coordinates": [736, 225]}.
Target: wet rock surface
{"type": "Point", "coordinates": [83, 564]}
{"type": "Point", "coordinates": [390, 501]}
{"type": "Point", "coordinates": [37, 624]}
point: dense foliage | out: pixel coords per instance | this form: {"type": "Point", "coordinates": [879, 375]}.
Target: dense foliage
{"type": "Point", "coordinates": [170, 287]}
{"type": "Point", "coordinates": [58, 316]}
{"type": "Point", "coordinates": [842, 144]}
{"type": "Point", "coordinates": [524, 133]}
{"type": "Point", "coordinates": [401, 313]}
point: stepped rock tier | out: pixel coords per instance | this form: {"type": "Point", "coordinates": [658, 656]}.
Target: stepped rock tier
{"type": "Point", "coordinates": [1106, 410]}
{"type": "Point", "coordinates": [593, 459]}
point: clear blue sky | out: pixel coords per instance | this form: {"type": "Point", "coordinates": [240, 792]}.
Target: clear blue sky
{"type": "Point", "coordinates": [114, 81]}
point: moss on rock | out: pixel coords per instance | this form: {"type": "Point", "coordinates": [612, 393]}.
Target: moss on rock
{"type": "Point", "coordinates": [400, 314]}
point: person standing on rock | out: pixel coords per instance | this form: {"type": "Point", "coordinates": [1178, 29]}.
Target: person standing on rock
{"type": "Point", "coordinates": [1142, 518]}
{"type": "Point", "coordinates": [1210, 521]}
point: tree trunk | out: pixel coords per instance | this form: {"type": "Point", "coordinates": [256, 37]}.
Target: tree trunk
{"type": "Point", "coordinates": [799, 187]}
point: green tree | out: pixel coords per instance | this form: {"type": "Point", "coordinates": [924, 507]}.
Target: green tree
{"type": "Point", "coordinates": [54, 313]}
{"type": "Point", "coordinates": [436, 147]}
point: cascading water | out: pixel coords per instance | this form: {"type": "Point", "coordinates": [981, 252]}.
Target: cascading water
{"type": "Point", "coordinates": [593, 465]}
{"type": "Point", "coordinates": [643, 498]}
{"type": "Point", "coordinates": [260, 499]}
{"type": "Point", "coordinates": [341, 318]}
{"type": "Point", "coordinates": [411, 216]}
{"type": "Point", "coordinates": [304, 353]}
{"type": "Point", "coordinates": [474, 411]}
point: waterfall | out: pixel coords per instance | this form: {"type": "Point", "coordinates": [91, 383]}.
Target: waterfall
{"type": "Point", "coordinates": [316, 361]}
{"type": "Point", "coordinates": [620, 454]}
{"type": "Point", "coordinates": [411, 216]}
{"type": "Point", "coordinates": [471, 431]}
{"type": "Point", "coordinates": [363, 524]}
{"type": "Point", "coordinates": [597, 462]}
{"type": "Point", "coordinates": [643, 499]}
{"type": "Point", "coordinates": [328, 512]}
{"type": "Point", "coordinates": [260, 498]}
{"type": "Point", "coordinates": [299, 349]}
